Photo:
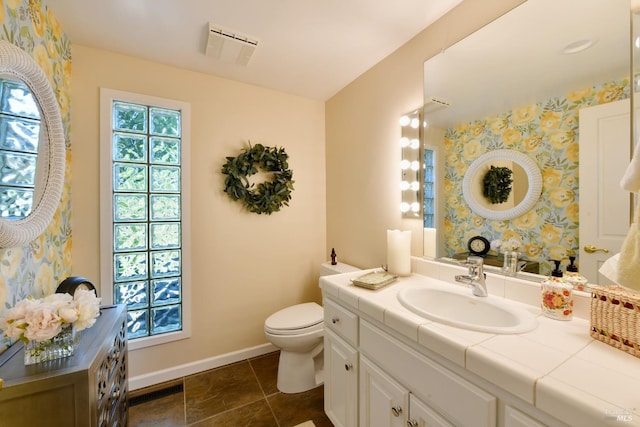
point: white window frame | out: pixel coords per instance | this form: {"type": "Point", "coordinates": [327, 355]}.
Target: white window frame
{"type": "Point", "coordinates": [107, 97]}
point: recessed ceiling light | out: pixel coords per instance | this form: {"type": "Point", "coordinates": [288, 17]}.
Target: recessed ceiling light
{"type": "Point", "coordinates": [578, 46]}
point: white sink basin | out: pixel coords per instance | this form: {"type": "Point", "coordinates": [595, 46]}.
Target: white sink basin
{"type": "Point", "coordinates": [459, 308]}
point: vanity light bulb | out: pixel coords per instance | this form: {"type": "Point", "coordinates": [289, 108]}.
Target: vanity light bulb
{"type": "Point", "coordinates": [404, 185]}
{"type": "Point", "coordinates": [415, 186]}
{"type": "Point", "coordinates": [415, 207]}
{"type": "Point", "coordinates": [404, 120]}
{"type": "Point", "coordinates": [404, 207]}
{"type": "Point", "coordinates": [405, 164]}
{"type": "Point", "coordinates": [415, 143]}
{"type": "Point", "coordinates": [404, 142]}
{"type": "Point", "coordinates": [415, 165]}
{"type": "Point", "coordinates": [415, 123]}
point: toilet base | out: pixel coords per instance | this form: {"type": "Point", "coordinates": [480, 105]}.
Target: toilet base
{"type": "Point", "coordinates": [298, 372]}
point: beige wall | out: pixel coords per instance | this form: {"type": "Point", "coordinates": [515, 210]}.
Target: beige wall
{"type": "Point", "coordinates": [362, 131]}
{"type": "Point", "coordinates": [244, 266]}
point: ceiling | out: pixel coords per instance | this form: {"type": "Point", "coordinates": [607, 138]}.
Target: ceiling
{"type": "Point", "coordinates": [307, 48]}
{"type": "Point", "coordinates": [527, 46]}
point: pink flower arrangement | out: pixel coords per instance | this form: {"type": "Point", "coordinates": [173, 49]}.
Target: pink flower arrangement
{"type": "Point", "coordinates": [43, 319]}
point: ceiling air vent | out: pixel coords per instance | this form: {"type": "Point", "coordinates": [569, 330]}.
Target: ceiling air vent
{"type": "Point", "coordinates": [434, 103]}
{"type": "Point", "coordinates": [230, 46]}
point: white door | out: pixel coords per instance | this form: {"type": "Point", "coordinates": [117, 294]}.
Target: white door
{"type": "Point", "coordinates": [383, 402]}
{"type": "Point", "coordinates": [605, 208]}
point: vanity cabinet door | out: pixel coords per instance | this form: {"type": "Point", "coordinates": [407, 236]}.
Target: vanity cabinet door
{"type": "Point", "coordinates": [421, 415]}
{"type": "Point", "coordinates": [341, 381]}
{"type": "Point", "coordinates": [383, 402]}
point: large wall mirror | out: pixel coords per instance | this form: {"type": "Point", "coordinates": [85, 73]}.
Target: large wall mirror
{"type": "Point", "coordinates": [517, 88]}
{"type": "Point", "coordinates": [32, 148]}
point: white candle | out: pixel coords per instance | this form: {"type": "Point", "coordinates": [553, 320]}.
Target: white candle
{"type": "Point", "coordinates": [399, 252]}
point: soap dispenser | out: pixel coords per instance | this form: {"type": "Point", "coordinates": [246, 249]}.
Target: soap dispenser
{"type": "Point", "coordinates": [575, 279]}
{"type": "Point", "coordinates": [557, 296]}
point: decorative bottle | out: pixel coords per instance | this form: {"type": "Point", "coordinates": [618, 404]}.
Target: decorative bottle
{"type": "Point", "coordinates": [557, 296]}
{"type": "Point", "coordinates": [575, 279]}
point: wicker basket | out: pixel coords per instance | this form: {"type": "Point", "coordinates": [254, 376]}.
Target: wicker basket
{"type": "Point", "coordinates": [615, 317]}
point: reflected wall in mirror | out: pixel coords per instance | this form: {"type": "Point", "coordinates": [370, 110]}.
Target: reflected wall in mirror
{"type": "Point", "coordinates": [32, 148]}
{"type": "Point", "coordinates": [519, 84]}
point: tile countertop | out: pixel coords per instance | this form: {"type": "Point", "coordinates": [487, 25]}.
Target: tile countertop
{"type": "Point", "coordinates": [557, 367]}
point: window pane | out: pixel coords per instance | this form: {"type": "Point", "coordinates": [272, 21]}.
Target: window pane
{"type": "Point", "coordinates": [129, 177]}
{"type": "Point", "coordinates": [165, 150]}
{"type": "Point", "coordinates": [165, 179]}
{"type": "Point", "coordinates": [137, 324]}
{"type": "Point", "coordinates": [19, 134]}
{"type": "Point", "coordinates": [18, 100]}
{"type": "Point", "coordinates": [129, 117]}
{"type": "Point", "coordinates": [18, 169]}
{"type": "Point", "coordinates": [130, 207]}
{"type": "Point", "coordinates": [165, 122]}
{"type": "Point", "coordinates": [129, 147]}
{"type": "Point", "coordinates": [166, 291]}
{"type": "Point", "coordinates": [130, 266]}
{"type": "Point", "coordinates": [165, 208]}
{"type": "Point", "coordinates": [165, 236]}
{"type": "Point", "coordinates": [15, 203]}
{"type": "Point", "coordinates": [134, 294]}
{"type": "Point", "coordinates": [129, 237]}
{"type": "Point", "coordinates": [165, 263]}
{"type": "Point", "coordinates": [166, 319]}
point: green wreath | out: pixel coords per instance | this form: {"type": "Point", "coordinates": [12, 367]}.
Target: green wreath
{"type": "Point", "coordinates": [497, 184]}
{"type": "Point", "coordinates": [265, 197]}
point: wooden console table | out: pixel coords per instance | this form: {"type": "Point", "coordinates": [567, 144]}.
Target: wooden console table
{"type": "Point", "coordinates": [88, 389]}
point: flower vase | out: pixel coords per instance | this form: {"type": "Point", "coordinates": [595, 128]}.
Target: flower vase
{"type": "Point", "coordinates": [510, 265]}
{"type": "Point", "coordinates": [62, 345]}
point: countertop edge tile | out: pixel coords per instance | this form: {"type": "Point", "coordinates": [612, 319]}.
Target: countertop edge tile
{"type": "Point", "coordinates": [577, 407]}
{"type": "Point", "coordinates": [505, 373]}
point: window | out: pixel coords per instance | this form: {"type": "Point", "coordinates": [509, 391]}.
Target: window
{"type": "Point", "coordinates": [19, 133]}
{"type": "Point", "coordinates": [144, 214]}
{"type": "Point", "coordinates": [429, 188]}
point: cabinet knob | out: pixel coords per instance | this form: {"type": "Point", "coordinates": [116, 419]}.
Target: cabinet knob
{"type": "Point", "coordinates": [396, 411]}
{"type": "Point", "coordinates": [412, 423]}
{"type": "Point", "coordinates": [348, 366]}
{"type": "Point", "coordinates": [335, 320]}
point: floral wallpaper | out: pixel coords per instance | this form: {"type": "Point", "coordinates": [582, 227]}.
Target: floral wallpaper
{"type": "Point", "coordinates": [36, 269]}
{"type": "Point", "coordinates": [548, 133]}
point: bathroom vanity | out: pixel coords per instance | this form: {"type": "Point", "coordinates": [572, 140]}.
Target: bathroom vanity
{"type": "Point", "coordinates": [88, 389]}
{"type": "Point", "coordinates": [386, 366]}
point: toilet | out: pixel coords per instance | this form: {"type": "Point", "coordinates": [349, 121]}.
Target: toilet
{"type": "Point", "coordinates": [298, 332]}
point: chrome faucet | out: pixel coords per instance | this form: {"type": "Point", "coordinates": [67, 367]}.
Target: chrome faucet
{"type": "Point", "coordinates": [475, 278]}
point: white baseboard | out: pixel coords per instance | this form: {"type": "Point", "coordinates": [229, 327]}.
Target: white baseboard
{"type": "Point", "coordinates": [180, 371]}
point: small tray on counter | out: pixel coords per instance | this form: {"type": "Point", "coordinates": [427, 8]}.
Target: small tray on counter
{"type": "Point", "coordinates": [374, 280]}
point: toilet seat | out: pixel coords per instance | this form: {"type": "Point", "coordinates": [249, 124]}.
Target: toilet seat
{"type": "Point", "coordinates": [297, 319]}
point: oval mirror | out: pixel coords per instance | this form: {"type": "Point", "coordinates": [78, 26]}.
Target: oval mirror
{"type": "Point", "coordinates": [32, 148]}
{"type": "Point", "coordinates": [502, 185]}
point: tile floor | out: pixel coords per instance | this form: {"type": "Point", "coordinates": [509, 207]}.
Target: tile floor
{"type": "Point", "coordinates": [240, 394]}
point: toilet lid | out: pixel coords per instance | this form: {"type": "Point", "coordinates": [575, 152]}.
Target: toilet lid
{"type": "Point", "coordinates": [295, 317]}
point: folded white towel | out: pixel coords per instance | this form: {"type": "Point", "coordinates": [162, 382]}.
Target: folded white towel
{"type": "Point", "coordinates": [628, 271]}
{"type": "Point", "coordinates": [609, 268]}
{"type": "Point", "coordinates": [631, 179]}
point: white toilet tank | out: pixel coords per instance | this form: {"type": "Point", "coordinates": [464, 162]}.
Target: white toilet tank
{"type": "Point", "coordinates": [326, 269]}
